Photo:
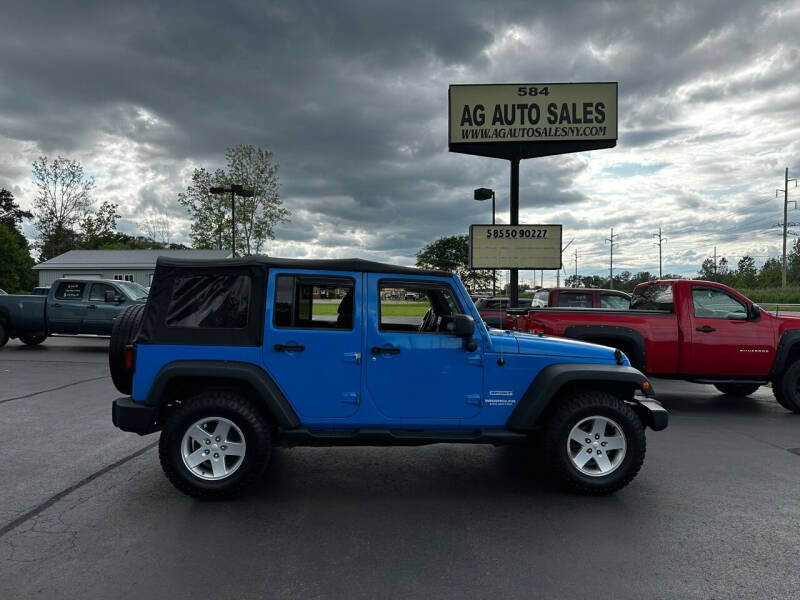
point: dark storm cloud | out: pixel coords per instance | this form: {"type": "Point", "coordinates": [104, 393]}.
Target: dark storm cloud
{"type": "Point", "coordinates": [352, 97]}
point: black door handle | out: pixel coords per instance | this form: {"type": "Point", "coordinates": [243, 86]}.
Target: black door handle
{"type": "Point", "coordinates": [705, 329]}
{"type": "Point", "coordinates": [92, 306]}
{"type": "Point", "coordinates": [377, 350]}
{"type": "Point", "coordinates": [57, 305]}
{"type": "Point", "coordinates": [289, 348]}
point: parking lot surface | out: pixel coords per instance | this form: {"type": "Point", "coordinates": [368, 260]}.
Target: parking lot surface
{"type": "Point", "coordinates": [85, 511]}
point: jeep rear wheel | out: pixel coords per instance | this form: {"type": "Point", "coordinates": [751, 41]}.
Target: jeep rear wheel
{"type": "Point", "coordinates": [214, 444]}
{"type": "Point", "coordinates": [594, 443]}
{"type": "Point", "coordinates": [787, 388]}
{"type": "Point", "coordinates": [737, 389]}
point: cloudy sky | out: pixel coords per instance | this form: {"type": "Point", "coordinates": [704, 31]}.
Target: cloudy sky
{"type": "Point", "coordinates": [351, 97]}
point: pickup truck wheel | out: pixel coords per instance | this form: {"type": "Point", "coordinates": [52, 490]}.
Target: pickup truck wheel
{"type": "Point", "coordinates": [595, 443]}
{"type": "Point", "coordinates": [787, 388]}
{"type": "Point", "coordinates": [737, 389]}
{"type": "Point", "coordinates": [123, 332]}
{"type": "Point", "coordinates": [32, 340]}
{"type": "Point", "coordinates": [214, 445]}
{"type": "Point", "coordinates": [3, 335]}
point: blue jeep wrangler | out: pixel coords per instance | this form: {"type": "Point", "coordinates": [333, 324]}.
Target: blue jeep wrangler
{"type": "Point", "coordinates": [230, 358]}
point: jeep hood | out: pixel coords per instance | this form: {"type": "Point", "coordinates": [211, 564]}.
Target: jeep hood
{"type": "Point", "coordinates": [525, 343]}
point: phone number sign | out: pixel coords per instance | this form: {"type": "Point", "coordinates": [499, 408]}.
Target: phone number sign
{"type": "Point", "coordinates": [515, 246]}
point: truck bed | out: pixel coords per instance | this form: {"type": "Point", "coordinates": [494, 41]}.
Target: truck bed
{"type": "Point", "coordinates": [652, 335]}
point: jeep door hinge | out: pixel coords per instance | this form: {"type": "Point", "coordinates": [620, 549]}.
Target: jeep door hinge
{"type": "Point", "coordinates": [474, 399]}
{"type": "Point", "coordinates": [351, 398]}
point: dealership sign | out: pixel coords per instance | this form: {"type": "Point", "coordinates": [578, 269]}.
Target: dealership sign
{"type": "Point", "coordinates": [547, 118]}
{"type": "Point", "coordinates": [515, 246]}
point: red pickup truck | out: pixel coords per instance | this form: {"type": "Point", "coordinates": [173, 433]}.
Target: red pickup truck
{"type": "Point", "coordinates": [693, 330]}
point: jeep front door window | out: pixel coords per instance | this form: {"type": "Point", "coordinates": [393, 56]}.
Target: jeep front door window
{"type": "Point", "coordinates": [417, 369]}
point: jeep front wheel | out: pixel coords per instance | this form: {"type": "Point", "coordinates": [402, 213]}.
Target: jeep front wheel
{"type": "Point", "coordinates": [214, 445]}
{"type": "Point", "coordinates": [595, 443]}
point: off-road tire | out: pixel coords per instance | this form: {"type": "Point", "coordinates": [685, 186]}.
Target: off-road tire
{"type": "Point", "coordinates": [215, 403]}
{"type": "Point", "coordinates": [737, 389]}
{"type": "Point", "coordinates": [3, 334]}
{"type": "Point", "coordinates": [32, 340]}
{"type": "Point", "coordinates": [572, 410]}
{"type": "Point", "coordinates": [785, 388]}
{"type": "Point", "coordinates": [124, 331]}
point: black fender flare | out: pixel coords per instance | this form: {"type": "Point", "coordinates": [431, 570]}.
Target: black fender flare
{"type": "Point", "coordinates": [789, 340]}
{"type": "Point", "coordinates": [545, 387]}
{"type": "Point", "coordinates": [630, 338]}
{"type": "Point", "coordinates": [257, 378]}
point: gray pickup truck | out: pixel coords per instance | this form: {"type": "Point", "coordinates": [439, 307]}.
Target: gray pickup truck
{"type": "Point", "coordinates": [71, 306]}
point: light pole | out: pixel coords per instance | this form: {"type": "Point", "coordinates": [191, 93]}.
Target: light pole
{"type": "Point", "coordinates": [234, 189]}
{"type": "Point", "coordinates": [485, 194]}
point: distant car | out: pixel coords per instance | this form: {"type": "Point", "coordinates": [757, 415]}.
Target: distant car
{"type": "Point", "coordinates": [493, 310]}
{"type": "Point", "coordinates": [581, 298]}
{"type": "Point", "coordinates": [410, 296]}
{"type": "Point", "coordinates": [40, 291]}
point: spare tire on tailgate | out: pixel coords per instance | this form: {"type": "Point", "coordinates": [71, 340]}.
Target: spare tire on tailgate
{"type": "Point", "coordinates": [126, 326]}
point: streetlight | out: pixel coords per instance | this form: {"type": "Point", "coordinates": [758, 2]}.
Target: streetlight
{"type": "Point", "coordinates": [485, 194]}
{"type": "Point", "coordinates": [234, 190]}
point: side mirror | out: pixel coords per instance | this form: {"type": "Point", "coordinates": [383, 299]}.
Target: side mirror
{"type": "Point", "coordinates": [109, 296]}
{"type": "Point", "coordinates": [753, 312]}
{"type": "Point", "coordinates": [463, 326]}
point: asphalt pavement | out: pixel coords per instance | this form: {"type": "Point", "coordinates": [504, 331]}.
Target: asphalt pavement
{"type": "Point", "coordinates": [85, 511]}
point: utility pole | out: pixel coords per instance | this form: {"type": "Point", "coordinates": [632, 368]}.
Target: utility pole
{"type": "Point", "coordinates": [576, 265]}
{"type": "Point", "coordinates": [785, 191]}
{"type": "Point", "coordinates": [611, 264]}
{"type": "Point", "coordinates": [661, 240]}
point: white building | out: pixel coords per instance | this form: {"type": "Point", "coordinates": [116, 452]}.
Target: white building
{"type": "Point", "coordinates": [124, 265]}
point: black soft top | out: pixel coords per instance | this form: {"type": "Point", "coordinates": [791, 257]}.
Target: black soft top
{"type": "Point", "coordinates": [330, 264]}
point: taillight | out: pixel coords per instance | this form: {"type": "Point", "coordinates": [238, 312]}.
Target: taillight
{"type": "Point", "coordinates": [129, 358]}
{"type": "Point", "coordinates": [536, 327]}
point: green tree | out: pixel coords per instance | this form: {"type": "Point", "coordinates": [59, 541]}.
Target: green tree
{"type": "Point", "coordinates": [99, 228]}
{"type": "Point", "coordinates": [770, 273]}
{"type": "Point", "coordinates": [707, 271]}
{"type": "Point", "coordinates": [256, 217]}
{"type": "Point", "coordinates": [746, 272]}
{"type": "Point", "coordinates": [63, 195]}
{"type": "Point", "coordinates": [451, 253]}
{"type": "Point", "coordinates": [16, 274]}
{"type": "Point", "coordinates": [210, 213]}
{"type": "Point", "coordinates": [793, 263]}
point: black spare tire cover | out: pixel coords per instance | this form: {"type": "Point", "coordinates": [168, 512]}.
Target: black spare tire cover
{"type": "Point", "coordinates": [124, 331]}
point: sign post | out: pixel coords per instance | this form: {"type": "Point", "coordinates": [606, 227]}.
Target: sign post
{"type": "Point", "coordinates": [527, 120]}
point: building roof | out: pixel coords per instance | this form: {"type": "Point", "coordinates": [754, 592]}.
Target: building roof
{"type": "Point", "coordinates": [124, 259]}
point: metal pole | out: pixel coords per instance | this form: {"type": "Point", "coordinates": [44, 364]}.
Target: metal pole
{"type": "Point", "coordinates": [785, 219]}
{"type": "Point", "coordinates": [513, 284]}
{"type": "Point", "coordinates": [233, 222]}
{"type": "Point", "coordinates": [494, 272]}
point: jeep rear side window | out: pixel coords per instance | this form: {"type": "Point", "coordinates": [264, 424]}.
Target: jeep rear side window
{"type": "Point", "coordinates": [430, 311]}
{"type": "Point", "coordinates": [209, 302]}
{"type": "Point", "coordinates": [313, 302]}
